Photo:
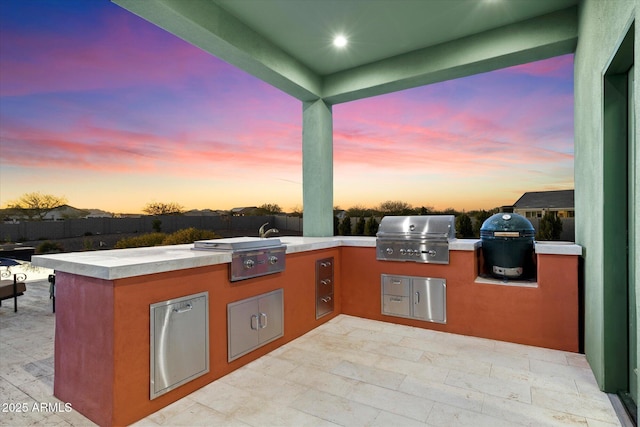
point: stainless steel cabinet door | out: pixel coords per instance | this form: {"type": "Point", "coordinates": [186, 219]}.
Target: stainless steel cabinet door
{"type": "Point", "coordinates": [242, 325]}
{"type": "Point", "coordinates": [179, 342]}
{"type": "Point", "coordinates": [253, 322]}
{"type": "Point", "coordinates": [270, 313]}
{"type": "Point", "coordinates": [429, 299]}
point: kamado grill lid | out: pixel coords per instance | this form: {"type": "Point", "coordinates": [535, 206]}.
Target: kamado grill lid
{"type": "Point", "coordinates": [506, 225]}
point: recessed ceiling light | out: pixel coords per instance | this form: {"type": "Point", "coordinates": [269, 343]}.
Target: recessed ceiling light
{"type": "Point", "coordinates": [340, 41]}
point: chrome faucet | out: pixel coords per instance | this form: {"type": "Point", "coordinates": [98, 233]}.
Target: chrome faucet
{"type": "Point", "coordinates": [264, 234]}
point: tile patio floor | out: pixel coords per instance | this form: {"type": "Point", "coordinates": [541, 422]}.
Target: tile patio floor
{"type": "Point", "coordinates": [348, 372]}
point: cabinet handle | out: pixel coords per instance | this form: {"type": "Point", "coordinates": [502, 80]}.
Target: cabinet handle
{"type": "Point", "coordinates": [261, 323]}
{"type": "Point", "coordinates": [325, 299]}
{"type": "Point", "coordinates": [395, 299]}
{"type": "Point", "coordinates": [325, 264]}
{"type": "Point", "coordinates": [417, 297]}
{"type": "Point", "coordinates": [325, 281]}
{"type": "Point", "coordinates": [396, 282]}
{"type": "Point", "coordinates": [254, 321]}
{"type": "Point", "coordinates": [184, 309]}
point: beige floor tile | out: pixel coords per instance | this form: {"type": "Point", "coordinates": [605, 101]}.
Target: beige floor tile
{"type": "Point", "coordinates": [561, 384]}
{"type": "Point", "coordinates": [162, 416]}
{"type": "Point", "coordinates": [490, 386]}
{"type": "Point", "coordinates": [387, 419]}
{"type": "Point", "coordinates": [222, 397]}
{"type": "Point", "coordinates": [369, 374]}
{"type": "Point", "coordinates": [263, 413]}
{"type": "Point", "coordinates": [586, 406]}
{"type": "Point", "coordinates": [452, 416]}
{"type": "Point", "coordinates": [322, 381]}
{"type": "Point", "coordinates": [531, 352]}
{"type": "Point", "coordinates": [417, 370]}
{"type": "Point", "coordinates": [395, 351]}
{"type": "Point", "coordinates": [392, 401]}
{"type": "Point", "coordinates": [335, 409]}
{"type": "Point", "coordinates": [374, 336]}
{"type": "Point", "coordinates": [302, 356]}
{"type": "Point", "coordinates": [575, 359]}
{"type": "Point", "coordinates": [272, 365]}
{"type": "Point", "coordinates": [443, 393]}
{"type": "Point", "coordinates": [461, 362]}
{"type": "Point", "coordinates": [200, 415]}
{"type": "Point", "coordinates": [527, 414]}
{"type": "Point", "coordinates": [496, 358]}
{"type": "Point", "coordinates": [524, 413]}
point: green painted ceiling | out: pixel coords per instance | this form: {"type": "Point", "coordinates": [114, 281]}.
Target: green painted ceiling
{"type": "Point", "coordinates": [377, 29]}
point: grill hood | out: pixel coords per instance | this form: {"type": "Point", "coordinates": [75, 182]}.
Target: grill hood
{"type": "Point", "coordinates": [436, 227]}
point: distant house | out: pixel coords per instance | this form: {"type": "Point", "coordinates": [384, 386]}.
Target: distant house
{"type": "Point", "coordinates": [99, 213]}
{"type": "Point", "coordinates": [65, 212]}
{"type": "Point", "coordinates": [203, 212]}
{"type": "Point", "coordinates": [243, 211]}
{"type": "Point", "coordinates": [535, 203]}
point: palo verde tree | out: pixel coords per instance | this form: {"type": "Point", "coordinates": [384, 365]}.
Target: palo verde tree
{"type": "Point", "coordinates": [395, 207]}
{"type": "Point", "coordinates": [157, 208]}
{"type": "Point", "coordinates": [36, 206]}
{"type": "Point", "coordinates": [268, 209]}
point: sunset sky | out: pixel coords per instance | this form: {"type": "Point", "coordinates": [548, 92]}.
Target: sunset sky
{"type": "Point", "coordinates": [111, 112]}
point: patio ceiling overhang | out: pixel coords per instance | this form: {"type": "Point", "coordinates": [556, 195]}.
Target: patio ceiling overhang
{"type": "Point", "coordinates": [393, 45]}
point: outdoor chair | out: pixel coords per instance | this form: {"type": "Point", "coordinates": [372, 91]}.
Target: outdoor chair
{"type": "Point", "coordinates": [13, 289]}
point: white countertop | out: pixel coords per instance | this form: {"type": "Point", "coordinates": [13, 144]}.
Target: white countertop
{"type": "Point", "coordinates": [122, 263]}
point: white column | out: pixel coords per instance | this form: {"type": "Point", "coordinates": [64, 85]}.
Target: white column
{"type": "Point", "coordinates": [317, 169]}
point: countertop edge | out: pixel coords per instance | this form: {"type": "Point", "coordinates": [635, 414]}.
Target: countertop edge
{"type": "Point", "coordinates": [122, 263]}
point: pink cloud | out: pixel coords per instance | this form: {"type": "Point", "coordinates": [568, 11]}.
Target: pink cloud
{"type": "Point", "coordinates": [104, 59]}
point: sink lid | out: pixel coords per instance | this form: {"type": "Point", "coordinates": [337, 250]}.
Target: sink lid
{"type": "Point", "coordinates": [237, 243]}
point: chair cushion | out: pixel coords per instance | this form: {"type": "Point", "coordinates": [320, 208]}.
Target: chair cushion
{"type": "Point", "coordinates": [6, 288]}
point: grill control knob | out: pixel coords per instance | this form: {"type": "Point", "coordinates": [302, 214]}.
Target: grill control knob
{"type": "Point", "coordinates": [249, 263]}
{"type": "Point", "coordinates": [273, 259]}
{"type": "Point", "coordinates": [402, 251]}
{"type": "Point", "coordinates": [389, 251]}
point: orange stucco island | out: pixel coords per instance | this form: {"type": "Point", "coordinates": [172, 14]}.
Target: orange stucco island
{"type": "Point", "coordinates": [102, 337]}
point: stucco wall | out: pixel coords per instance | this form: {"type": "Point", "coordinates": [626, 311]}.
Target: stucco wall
{"type": "Point", "coordinates": [602, 26]}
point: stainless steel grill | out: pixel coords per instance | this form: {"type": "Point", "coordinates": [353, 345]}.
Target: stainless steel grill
{"type": "Point", "coordinates": [250, 256]}
{"type": "Point", "coordinates": [423, 238]}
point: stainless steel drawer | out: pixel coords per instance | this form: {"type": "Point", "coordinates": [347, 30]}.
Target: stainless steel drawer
{"type": "Point", "coordinates": [396, 285]}
{"type": "Point", "coordinates": [396, 305]}
{"type": "Point", "coordinates": [324, 305]}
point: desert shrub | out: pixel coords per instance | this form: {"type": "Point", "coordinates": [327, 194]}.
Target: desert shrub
{"type": "Point", "coordinates": [371, 227]}
{"type": "Point", "coordinates": [550, 227]}
{"type": "Point", "coordinates": [345, 226]}
{"type": "Point", "coordinates": [149, 239]}
{"type": "Point", "coordinates": [87, 244]}
{"type": "Point", "coordinates": [464, 227]}
{"type": "Point", "coordinates": [188, 235]}
{"type": "Point", "coordinates": [49, 247]}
